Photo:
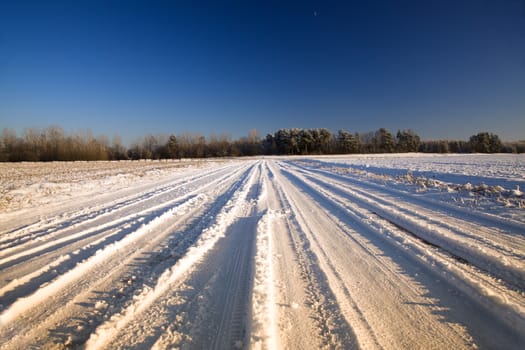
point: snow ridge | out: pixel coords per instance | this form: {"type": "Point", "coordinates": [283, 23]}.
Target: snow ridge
{"type": "Point", "coordinates": [264, 333]}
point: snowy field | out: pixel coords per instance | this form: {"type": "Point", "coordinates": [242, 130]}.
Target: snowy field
{"type": "Point", "coordinates": [343, 252]}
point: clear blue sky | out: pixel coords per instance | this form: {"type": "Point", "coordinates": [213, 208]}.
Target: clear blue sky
{"type": "Point", "coordinates": [447, 69]}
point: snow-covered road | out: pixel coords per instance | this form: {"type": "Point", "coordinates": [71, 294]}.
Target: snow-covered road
{"type": "Point", "coordinates": [264, 254]}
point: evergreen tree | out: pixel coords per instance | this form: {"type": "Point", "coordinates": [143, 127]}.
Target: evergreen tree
{"type": "Point", "coordinates": [346, 142]}
{"type": "Point", "coordinates": [484, 142]}
{"type": "Point", "coordinates": [306, 141]}
{"type": "Point", "coordinates": [407, 141]}
{"type": "Point", "coordinates": [384, 141]}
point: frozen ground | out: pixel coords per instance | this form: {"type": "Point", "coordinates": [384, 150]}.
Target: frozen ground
{"type": "Point", "coordinates": [393, 252]}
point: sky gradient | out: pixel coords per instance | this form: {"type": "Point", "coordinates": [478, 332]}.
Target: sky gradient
{"type": "Point", "coordinates": [446, 69]}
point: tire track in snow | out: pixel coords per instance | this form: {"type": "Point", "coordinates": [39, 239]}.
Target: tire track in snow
{"type": "Point", "coordinates": [468, 283]}
{"type": "Point", "coordinates": [117, 225]}
{"type": "Point", "coordinates": [155, 258]}
{"type": "Point", "coordinates": [17, 237]}
{"type": "Point", "coordinates": [47, 291]}
{"type": "Point", "coordinates": [77, 246]}
{"type": "Point", "coordinates": [107, 332]}
{"type": "Point", "coordinates": [334, 330]}
{"type": "Point", "coordinates": [504, 233]}
{"type": "Point", "coordinates": [461, 240]}
{"type": "Point", "coordinates": [234, 324]}
{"type": "Point", "coordinates": [370, 288]}
{"type": "Point", "coordinates": [460, 237]}
{"type": "Point", "coordinates": [229, 289]}
{"type": "Point", "coordinates": [349, 309]}
{"type": "Point", "coordinates": [508, 226]}
{"type": "Point", "coordinates": [132, 243]}
{"type": "Point", "coordinates": [57, 230]}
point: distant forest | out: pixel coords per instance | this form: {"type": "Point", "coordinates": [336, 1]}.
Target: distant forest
{"type": "Point", "coordinates": [53, 144]}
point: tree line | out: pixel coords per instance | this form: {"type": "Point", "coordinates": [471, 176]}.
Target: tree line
{"type": "Point", "coordinates": [53, 144]}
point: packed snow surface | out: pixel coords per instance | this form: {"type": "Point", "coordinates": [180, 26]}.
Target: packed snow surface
{"type": "Point", "coordinates": [342, 252]}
